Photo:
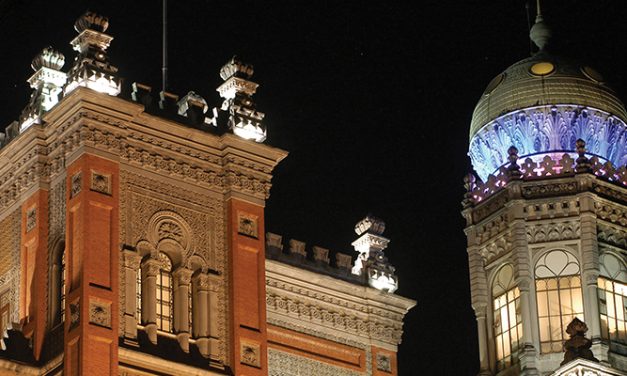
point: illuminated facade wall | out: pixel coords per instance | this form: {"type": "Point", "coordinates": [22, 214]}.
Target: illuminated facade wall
{"type": "Point", "coordinates": [133, 241]}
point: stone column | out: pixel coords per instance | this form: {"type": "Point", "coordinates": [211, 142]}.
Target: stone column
{"type": "Point", "coordinates": [131, 267]}
{"type": "Point", "coordinates": [482, 332]}
{"type": "Point", "coordinates": [182, 277]}
{"type": "Point", "coordinates": [590, 270]}
{"type": "Point", "coordinates": [200, 312]}
{"type": "Point", "coordinates": [150, 270]}
{"type": "Point", "coordinates": [524, 280]}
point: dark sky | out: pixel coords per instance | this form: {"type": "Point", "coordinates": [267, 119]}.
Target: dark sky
{"type": "Point", "coordinates": [373, 101]}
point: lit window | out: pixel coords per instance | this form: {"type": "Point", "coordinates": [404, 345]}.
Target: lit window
{"type": "Point", "coordinates": [138, 296]}
{"type": "Point", "coordinates": [63, 273]}
{"type": "Point", "coordinates": [558, 289]}
{"type": "Point", "coordinates": [164, 294]}
{"type": "Point", "coordinates": [507, 318]}
{"type": "Point", "coordinates": [613, 301]}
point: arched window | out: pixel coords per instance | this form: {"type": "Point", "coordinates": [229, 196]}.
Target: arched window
{"type": "Point", "coordinates": [138, 296]}
{"type": "Point", "coordinates": [558, 289]}
{"type": "Point", "coordinates": [507, 318]}
{"type": "Point", "coordinates": [164, 294]}
{"type": "Point", "coordinates": [613, 301]}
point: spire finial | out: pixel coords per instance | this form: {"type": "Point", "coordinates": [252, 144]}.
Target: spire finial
{"type": "Point", "coordinates": [540, 32]}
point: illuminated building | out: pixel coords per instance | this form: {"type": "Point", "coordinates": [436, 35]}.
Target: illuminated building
{"type": "Point", "coordinates": [546, 219]}
{"type": "Point", "coordinates": [132, 239]}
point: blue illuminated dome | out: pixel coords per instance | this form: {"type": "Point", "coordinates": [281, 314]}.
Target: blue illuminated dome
{"type": "Point", "coordinates": [542, 105]}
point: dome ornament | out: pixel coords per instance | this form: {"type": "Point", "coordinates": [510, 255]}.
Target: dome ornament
{"type": "Point", "coordinates": [540, 32]}
{"type": "Point", "coordinates": [583, 163]}
{"type": "Point", "coordinates": [513, 170]}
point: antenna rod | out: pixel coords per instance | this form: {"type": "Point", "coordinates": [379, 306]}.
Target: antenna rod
{"type": "Point", "coordinates": [529, 27]}
{"type": "Point", "coordinates": [164, 68]}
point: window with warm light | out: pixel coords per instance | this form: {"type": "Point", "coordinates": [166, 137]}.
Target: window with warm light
{"type": "Point", "coordinates": [613, 301]}
{"type": "Point", "coordinates": [559, 298]}
{"type": "Point", "coordinates": [507, 318]}
{"type": "Point", "coordinates": [138, 296]}
{"type": "Point", "coordinates": [164, 294]}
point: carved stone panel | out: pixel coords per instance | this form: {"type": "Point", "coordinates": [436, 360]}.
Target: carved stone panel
{"type": "Point", "coordinates": [100, 313]}
{"type": "Point", "coordinates": [281, 363]}
{"type": "Point", "coordinates": [100, 183]}
{"type": "Point", "coordinates": [31, 219]}
{"type": "Point", "coordinates": [247, 224]}
{"type": "Point", "coordinates": [384, 363]}
{"type": "Point", "coordinates": [76, 184]}
{"type": "Point", "coordinates": [75, 314]}
{"type": "Point", "coordinates": [250, 354]}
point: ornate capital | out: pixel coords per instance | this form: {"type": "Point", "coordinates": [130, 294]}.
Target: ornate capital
{"type": "Point", "coordinates": [182, 276]}
{"type": "Point", "coordinates": [151, 267]}
{"type": "Point", "coordinates": [132, 260]}
{"type": "Point", "coordinates": [201, 281]}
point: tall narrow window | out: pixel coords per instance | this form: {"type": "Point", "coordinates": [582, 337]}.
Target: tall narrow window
{"type": "Point", "coordinates": [507, 318]}
{"type": "Point", "coordinates": [138, 296]}
{"type": "Point", "coordinates": [558, 289]}
{"type": "Point", "coordinates": [613, 301]}
{"type": "Point", "coordinates": [63, 273]}
{"type": "Point", "coordinates": [164, 294]}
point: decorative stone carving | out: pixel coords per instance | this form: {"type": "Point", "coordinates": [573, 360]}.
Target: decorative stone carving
{"type": "Point", "coordinates": [197, 215]}
{"type": "Point", "coordinates": [100, 313]}
{"type": "Point", "coordinates": [384, 363]}
{"type": "Point", "coordinates": [247, 224]}
{"type": "Point", "coordinates": [611, 235]}
{"type": "Point", "coordinates": [281, 363]}
{"type": "Point", "coordinates": [495, 249]}
{"type": "Point", "coordinates": [321, 254]}
{"type": "Point", "coordinates": [553, 232]}
{"type": "Point", "coordinates": [250, 354]}
{"type": "Point", "coordinates": [577, 346]}
{"type": "Point", "coordinates": [371, 260]}
{"type": "Point", "coordinates": [298, 247]}
{"type": "Point", "coordinates": [554, 128]}
{"type": "Point", "coordinates": [100, 183]}
{"type": "Point", "coordinates": [343, 261]}
{"type": "Point", "coordinates": [10, 234]}
{"type": "Point", "coordinates": [76, 184]}
{"type": "Point", "coordinates": [549, 189]}
{"type": "Point", "coordinates": [31, 219]}
{"type": "Point", "coordinates": [75, 314]}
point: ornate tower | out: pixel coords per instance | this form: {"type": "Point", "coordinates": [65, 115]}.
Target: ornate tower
{"type": "Point", "coordinates": [546, 218]}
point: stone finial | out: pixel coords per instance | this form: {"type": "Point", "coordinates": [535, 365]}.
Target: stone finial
{"type": "Point", "coordinates": [577, 346]}
{"type": "Point", "coordinates": [236, 68]}
{"type": "Point", "coordinates": [49, 58]}
{"type": "Point", "coordinates": [371, 262]}
{"type": "Point", "coordinates": [371, 225]}
{"type": "Point", "coordinates": [540, 32]}
{"type": "Point", "coordinates": [582, 162]}
{"type": "Point", "coordinates": [92, 21]}
{"type": "Point", "coordinates": [193, 106]}
{"type": "Point", "coordinates": [513, 170]}
{"type": "Point", "coordinates": [274, 240]}
{"type": "Point", "coordinates": [47, 82]}
{"type": "Point", "coordinates": [92, 68]}
{"type": "Point", "coordinates": [237, 90]}
{"type": "Point", "coordinates": [469, 184]}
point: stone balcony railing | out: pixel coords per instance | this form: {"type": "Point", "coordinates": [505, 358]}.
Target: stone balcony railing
{"type": "Point", "coordinates": [550, 166]}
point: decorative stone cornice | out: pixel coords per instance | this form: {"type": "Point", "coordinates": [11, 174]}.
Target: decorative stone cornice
{"type": "Point", "coordinates": [330, 304]}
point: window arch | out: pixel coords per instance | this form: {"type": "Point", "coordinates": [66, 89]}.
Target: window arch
{"type": "Point", "coordinates": [164, 294]}
{"type": "Point", "coordinates": [612, 284]}
{"type": "Point", "coordinates": [507, 317]}
{"type": "Point", "coordinates": [559, 297]}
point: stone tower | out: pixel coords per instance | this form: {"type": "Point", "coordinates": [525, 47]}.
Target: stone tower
{"type": "Point", "coordinates": [546, 217]}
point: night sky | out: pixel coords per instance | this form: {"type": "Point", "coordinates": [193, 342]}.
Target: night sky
{"type": "Point", "coordinates": [372, 100]}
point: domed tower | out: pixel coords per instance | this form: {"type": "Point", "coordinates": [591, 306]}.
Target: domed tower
{"type": "Point", "coordinates": [546, 218]}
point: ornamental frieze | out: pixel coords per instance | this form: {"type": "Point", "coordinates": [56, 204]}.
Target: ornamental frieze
{"type": "Point", "coordinates": [611, 213]}
{"type": "Point", "coordinates": [549, 189]}
{"type": "Point", "coordinates": [495, 249]}
{"type": "Point", "coordinates": [612, 235]}
{"type": "Point", "coordinates": [548, 232]}
{"type": "Point", "coordinates": [337, 319]}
